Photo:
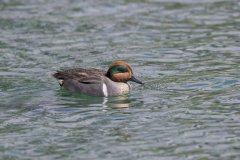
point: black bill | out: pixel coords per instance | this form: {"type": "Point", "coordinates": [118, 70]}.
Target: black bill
{"type": "Point", "coordinates": [136, 80]}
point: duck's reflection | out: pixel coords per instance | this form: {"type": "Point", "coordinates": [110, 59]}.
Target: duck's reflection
{"type": "Point", "coordinates": [79, 100]}
{"type": "Point", "coordinates": [116, 102]}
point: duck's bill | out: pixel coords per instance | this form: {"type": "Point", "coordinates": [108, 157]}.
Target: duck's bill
{"type": "Point", "coordinates": [136, 80]}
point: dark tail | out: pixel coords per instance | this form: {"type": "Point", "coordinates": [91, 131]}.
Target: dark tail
{"type": "Point", "coordinates": [57, 75]}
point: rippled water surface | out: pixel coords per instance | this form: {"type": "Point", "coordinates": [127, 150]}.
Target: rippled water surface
{"type": "Point", "coordinates": [186, 51]}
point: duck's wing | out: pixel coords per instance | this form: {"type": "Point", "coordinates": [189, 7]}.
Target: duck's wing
{"type": "Point", "coordinates": [88, 81]}
{"type": "Point", "coordinates": [79, 74]}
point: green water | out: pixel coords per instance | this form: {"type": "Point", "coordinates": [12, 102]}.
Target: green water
{"type": "Point", "coordinates": [186, 51]}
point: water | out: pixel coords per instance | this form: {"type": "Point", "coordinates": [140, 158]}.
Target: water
{"type": "Point", "coordinates": [187, 52]}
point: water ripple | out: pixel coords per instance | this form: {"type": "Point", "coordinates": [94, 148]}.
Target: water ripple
{"type": "Point", "coordinates": [186, 52]}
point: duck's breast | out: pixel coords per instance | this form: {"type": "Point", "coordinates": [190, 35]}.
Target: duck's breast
{"type": "Point", "coordinates": [116, 88]}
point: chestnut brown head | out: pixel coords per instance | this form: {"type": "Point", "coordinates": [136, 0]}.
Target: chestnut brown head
{"type": "Point", "coordinates": [120, 71]}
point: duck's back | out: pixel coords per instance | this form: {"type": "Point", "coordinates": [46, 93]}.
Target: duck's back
{"type": "Point", "coordinates": [87, 81]}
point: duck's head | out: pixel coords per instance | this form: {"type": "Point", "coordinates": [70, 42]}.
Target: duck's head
{"type": "Point", "coordinates": [120, 71]}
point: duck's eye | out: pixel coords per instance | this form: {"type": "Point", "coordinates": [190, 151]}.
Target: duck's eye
{"type": "Point", "coordinates": [116, 69]}
{"type": "Point", "coordinates": [122, 69]}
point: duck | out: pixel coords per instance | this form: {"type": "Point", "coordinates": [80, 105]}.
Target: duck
{"type": "Point", "coordinates": [96, 82]}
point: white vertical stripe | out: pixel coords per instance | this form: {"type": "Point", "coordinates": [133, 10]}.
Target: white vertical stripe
{"type": "Point", "coordinates": [104, 89]}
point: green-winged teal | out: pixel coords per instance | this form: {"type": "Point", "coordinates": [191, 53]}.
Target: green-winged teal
{"type": "Point", "coordinates": [97, 82]}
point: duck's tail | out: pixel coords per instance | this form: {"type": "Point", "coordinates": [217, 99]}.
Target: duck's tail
{"type": "Point", "coordinates": [59, 77]}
